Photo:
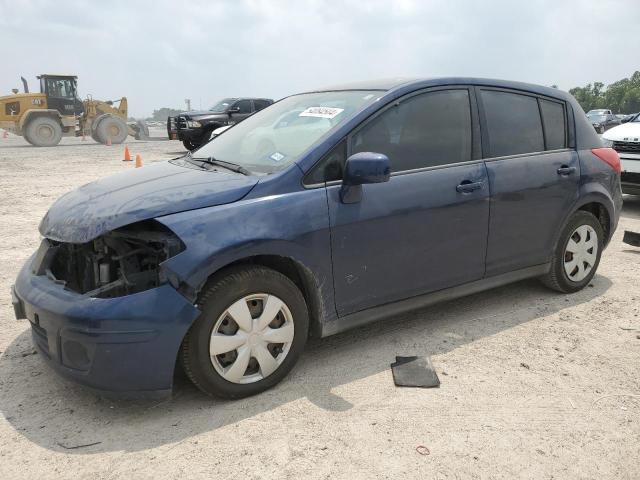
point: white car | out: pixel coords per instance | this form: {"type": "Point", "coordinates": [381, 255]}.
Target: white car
{"type": "Point", "coordinates": [625, 139]}
{"type": "Point", "coordinates": [218, 131]}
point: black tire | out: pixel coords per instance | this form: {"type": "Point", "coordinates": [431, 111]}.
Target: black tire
{"type": "Point", "coordinates": [113, 128]}
{"type": "Point", "coordinates": [43, 132]}
{"type": "Point", "coordinates": [220, 293]}
{"type": "Point", "coordinates": [557, 278]}
{"type": "Point", "coordinates": [142, 130]}
{"type": "Point", "coordinates": [191, 145]}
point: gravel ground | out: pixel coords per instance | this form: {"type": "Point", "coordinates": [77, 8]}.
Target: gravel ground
{"type": "Point", "coordinates": [534, 384]}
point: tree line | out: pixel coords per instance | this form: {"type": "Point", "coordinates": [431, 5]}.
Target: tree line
{"type": "Point", "coordinates": [622, 96]}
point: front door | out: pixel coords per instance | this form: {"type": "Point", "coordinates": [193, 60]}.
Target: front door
{"type": "Point", "coordinates": [61, 95]}
{"type": "Point", "coordinates": [244, 110]}
{"type": "Point", "coordinates": [533, 177]}
{"type": "Point", "coordinates": [425, 229]}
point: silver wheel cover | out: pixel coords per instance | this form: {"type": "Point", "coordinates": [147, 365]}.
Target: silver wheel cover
{"type": "Point", "coordinates": [251, 338]}
{"type": "Point", "coordinates": [581, 253]}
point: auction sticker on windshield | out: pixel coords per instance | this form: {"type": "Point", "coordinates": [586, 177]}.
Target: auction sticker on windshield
{"type": "Point", "coordinates": [321, 112]}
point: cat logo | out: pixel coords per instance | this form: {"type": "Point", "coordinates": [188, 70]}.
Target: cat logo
{"type": "Point", "coordinates": [36, 101]}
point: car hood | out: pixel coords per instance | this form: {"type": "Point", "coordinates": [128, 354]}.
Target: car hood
{"type": "Point", "coordinates": [136, 195]}
{"type": "Point", "coordinates": [627, 132]}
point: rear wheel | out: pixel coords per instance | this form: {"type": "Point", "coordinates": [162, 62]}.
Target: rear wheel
{"type": "Point", "coordinates": [113, 128]}
{"type": "Point", "coordinates": [43, 132]}
{"type": "Point", "coordinates": [252, 329]}
{"type": "Point", "coordinates": [577, 254]}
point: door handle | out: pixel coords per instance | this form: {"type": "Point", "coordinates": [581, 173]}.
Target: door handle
{"type": "Point", "coordinates": [565, 170]}
{"type": "Point", "coordinates": [468, 186]}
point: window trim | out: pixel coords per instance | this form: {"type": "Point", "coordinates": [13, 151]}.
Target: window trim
{"type": "Point", "coordinates": [544, 131]}
{"type": "Point", "coordinates": [569, 134]}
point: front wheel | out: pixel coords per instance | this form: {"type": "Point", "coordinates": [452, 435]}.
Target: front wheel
{"type": "Point", "coordinates": [190, 145]}
{"type": "Point", "coordinates": [252, 329]}
{"type": "Point", "coordinates": [577, 254]}
{"type": "Point", "coordinates": [43, 132]}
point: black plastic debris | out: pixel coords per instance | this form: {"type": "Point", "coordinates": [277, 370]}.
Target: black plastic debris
{"type": "Point", "coordinates": [414, 372]}
{"type": "Point", "coordinates": [631, 238]}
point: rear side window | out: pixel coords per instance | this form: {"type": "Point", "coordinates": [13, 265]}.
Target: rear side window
{"type": "Point", "coordinates": [260, 104]}
{"type": "Point", "coordinates": [512, 122]}
{"type": "Point", "coordinates": [555, 124]}
{"type": "Point", "coordinates": [426, 130]}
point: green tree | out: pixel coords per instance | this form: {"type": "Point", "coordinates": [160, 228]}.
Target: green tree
{"type": "Point", "coordinates": [622, 96]}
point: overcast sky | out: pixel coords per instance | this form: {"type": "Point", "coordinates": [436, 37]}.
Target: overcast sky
{"type": "Point", "coordinates": [157, 53]}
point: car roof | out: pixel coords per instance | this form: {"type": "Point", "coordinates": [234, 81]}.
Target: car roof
{"type": "Point", "coordinates": [408, 84]}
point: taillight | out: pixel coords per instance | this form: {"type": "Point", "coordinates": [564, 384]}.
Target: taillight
{"type": "Point", "coordinates": [609, 156]}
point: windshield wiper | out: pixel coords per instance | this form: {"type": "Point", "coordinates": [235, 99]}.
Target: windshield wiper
{"type": "Point", "coordinates": [234, 167]}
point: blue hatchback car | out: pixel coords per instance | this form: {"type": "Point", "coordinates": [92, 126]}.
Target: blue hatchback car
{"type": "Point", "coordinates": [325, 211]}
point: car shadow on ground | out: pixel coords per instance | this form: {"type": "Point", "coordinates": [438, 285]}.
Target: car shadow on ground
{"type": "Point", "coordinates": [61, 416]}
{"type": "Point", "coordinates": [631, 207]}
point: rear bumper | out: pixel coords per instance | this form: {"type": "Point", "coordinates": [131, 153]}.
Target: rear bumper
{"type": "Point", "coordinates": [125, 346]}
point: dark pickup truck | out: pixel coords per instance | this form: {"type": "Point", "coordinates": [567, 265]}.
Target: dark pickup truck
{"type": "Point", "coordinates": [194, 128]}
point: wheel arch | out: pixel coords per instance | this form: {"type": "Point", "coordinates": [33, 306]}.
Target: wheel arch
{"type": "Point", "coordinates": [291, 268]}
{"type": "Point", "coordinates": [596, 200]}
{"type": "Point", "coordinates": [29, 115]}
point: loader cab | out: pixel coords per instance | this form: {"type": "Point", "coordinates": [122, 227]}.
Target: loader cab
{"type": "Point", "coordinates": [62, 93]}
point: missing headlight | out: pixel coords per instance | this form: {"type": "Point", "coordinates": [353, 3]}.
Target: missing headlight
{"type": "Point", "coordinates": [121, 262]}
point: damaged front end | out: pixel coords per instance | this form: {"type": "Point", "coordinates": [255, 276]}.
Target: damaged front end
{"type": "Point", "coordinates": [121, 262]}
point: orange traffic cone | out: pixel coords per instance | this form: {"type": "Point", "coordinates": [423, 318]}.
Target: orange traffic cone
{"type": "Point", "coordinates": [127, 155]}
{"type": "Point", "coordinates": [108, 141]}
{"type": "Point", "coordinates": [138, 161]}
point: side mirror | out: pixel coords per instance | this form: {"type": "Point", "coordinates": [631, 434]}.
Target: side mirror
{"type": "Point", "coordinates": [233, 110]}
{"type": "Point", "coordinates": [360, 169]}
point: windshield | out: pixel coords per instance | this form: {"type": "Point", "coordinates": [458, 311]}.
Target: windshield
{"type": "Point", "coordinates": [273, 138]}
{"type": "Point", "coordinates": [222, 105]}
{"type": "Point", "coordinates": [596, 112]}
{"type": "Point", "coordinates": [596, 117]}
{"type": "Point", "coordinates": [636, 119]}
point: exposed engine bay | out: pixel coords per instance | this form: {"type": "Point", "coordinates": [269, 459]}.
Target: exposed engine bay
{"type": "Point", "coordinates": [121, 262]}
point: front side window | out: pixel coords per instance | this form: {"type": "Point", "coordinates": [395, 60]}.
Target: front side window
{"type": "Point", "coordinates": [425, 130]}
{"type": "Point", "coordinates": [272, 139]}
{"type": "Point", "coordinates": [260, 104]}
{"type": "Point", "coordinates": [244, 106]}
{"type": "Point", "coordinates": [60, 88]}
{"type": "Point", "coordinates": [512, 122]}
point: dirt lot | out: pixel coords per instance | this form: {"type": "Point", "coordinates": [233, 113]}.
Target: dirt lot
{"type": "Point", "coordinates": [534, 384]}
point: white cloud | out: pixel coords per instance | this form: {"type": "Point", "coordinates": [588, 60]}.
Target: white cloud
{"type": "Point", "coordinates": [159, 52]}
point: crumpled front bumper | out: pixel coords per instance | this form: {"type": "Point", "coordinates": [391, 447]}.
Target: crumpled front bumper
{"type": "Point", "coordinates": [125, 346]}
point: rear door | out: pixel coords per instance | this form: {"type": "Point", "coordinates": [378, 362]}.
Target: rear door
{"type": "Point", "coordinates": [425, 229]}
{"type": "Point", "coordinates": [533, 175]}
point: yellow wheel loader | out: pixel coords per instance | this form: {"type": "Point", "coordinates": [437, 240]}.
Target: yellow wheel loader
{"type": "Point", "coordinates": [57, 111]}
